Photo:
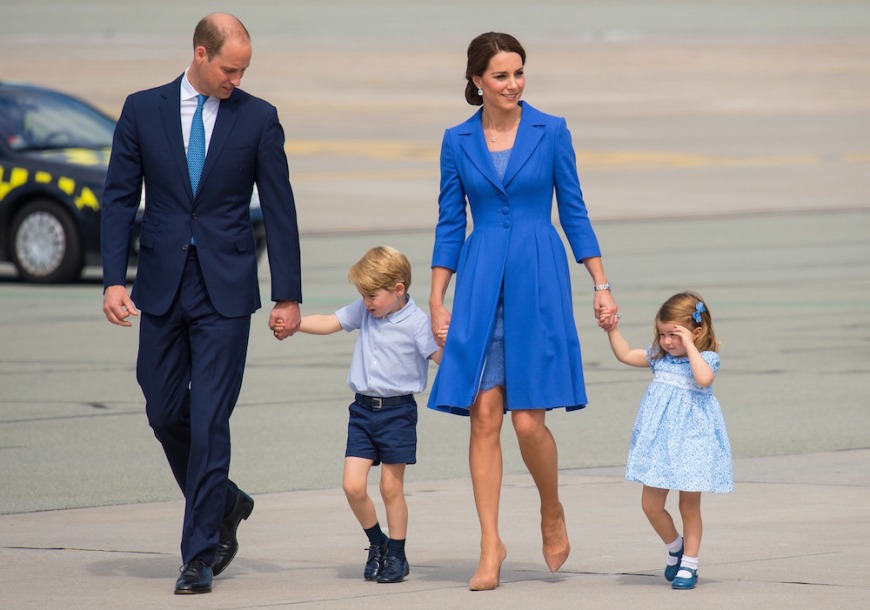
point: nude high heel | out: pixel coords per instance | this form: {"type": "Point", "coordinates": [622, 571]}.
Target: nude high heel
{"type": "Point", "coordinates": [556, 547]}
{"type": "Point", "coordinates": [488, 582]}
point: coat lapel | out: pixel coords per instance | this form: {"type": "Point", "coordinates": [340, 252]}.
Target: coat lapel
{"type": "Point", "coordinates": [473, 144]}
{"type": "Point", "coordinates": [170, 114]}
{"type": "Point", "coordinates": [529, 134]}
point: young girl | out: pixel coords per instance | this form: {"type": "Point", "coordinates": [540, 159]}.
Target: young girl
{"type": "Point", "coordinates": [679, 439]}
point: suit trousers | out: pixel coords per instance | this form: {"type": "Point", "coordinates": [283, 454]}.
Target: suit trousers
{"type": "Point", "coordinates": [190, 367]}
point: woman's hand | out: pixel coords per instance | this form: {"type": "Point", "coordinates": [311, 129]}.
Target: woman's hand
{"type": "Point", "coordinates": [606, 321]}
{"type": "Point", "coordinates": [438, 314]}
{"type": "Point", "coordinates": [606, 309]}
{"type": "Point", "coordinates": [440, 323]}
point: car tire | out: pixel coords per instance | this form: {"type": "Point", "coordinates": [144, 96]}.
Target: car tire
{"type": "Point", "coordinates": [46, 247]}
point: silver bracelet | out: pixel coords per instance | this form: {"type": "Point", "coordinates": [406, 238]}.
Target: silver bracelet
{"type": "Point", "coordinates": [604, 286]}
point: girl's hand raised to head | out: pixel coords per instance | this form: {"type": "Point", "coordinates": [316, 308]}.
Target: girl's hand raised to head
{"type": "Point", "coordinates": [685, 336]}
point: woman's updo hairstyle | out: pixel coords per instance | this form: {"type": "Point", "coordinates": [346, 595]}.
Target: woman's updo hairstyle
{"type": "Point", "coordinates": [480, 51]}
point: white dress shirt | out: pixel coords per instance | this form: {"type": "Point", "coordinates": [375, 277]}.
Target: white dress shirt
{"type": "Point", "coordinates": [391, 356]}
{"type": "Point", "coordinates": [188, 108]}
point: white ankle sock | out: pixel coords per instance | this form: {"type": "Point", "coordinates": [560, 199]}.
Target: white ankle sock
{"type": "Point", "coordinates": [690, 563]}
{"type": "Point", "coordinates": [673, 547]}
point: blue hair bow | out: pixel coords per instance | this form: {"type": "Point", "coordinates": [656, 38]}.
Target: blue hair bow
{"type": "Point", "coordinates": [699, 309]}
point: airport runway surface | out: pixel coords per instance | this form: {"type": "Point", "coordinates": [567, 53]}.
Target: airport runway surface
{"type": "Point", "coordinates": [722, 147]}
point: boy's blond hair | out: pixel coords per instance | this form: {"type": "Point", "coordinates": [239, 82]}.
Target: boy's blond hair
{"type": "Point", "coordinates": [381, 267]}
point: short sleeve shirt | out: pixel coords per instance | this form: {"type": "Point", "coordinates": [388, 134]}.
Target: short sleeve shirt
{"type": "Point", "coordinates": [391, 356]}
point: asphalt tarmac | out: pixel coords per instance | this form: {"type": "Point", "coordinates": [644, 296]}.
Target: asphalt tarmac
{"type": "Point", "coordinates": [722, 147]}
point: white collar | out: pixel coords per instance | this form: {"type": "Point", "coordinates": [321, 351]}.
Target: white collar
{"type": "Point", "coordinates": [187, 90]}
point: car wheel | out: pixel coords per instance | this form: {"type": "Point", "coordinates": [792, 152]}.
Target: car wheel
{"type": "Point", "coordinates": [45, 244]}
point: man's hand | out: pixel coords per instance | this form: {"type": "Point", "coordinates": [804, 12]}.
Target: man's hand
{"type": "Point", "coordinates": [117, 305]}
{"type": "Point", "coordinates": [285, 319]}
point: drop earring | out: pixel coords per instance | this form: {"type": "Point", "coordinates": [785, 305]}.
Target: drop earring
{"type": "Point", "coordinates": [480, 92]}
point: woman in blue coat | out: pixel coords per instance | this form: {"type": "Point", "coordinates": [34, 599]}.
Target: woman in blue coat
{"type": "Point", "coordinates": [512, 344]}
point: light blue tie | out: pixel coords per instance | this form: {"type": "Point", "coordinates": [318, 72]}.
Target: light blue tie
{"type": "Point", "coordinates": [196, 145]}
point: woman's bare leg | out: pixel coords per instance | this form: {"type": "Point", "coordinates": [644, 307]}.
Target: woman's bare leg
{"type": "Point", "coordinates": [539, 451]}
{"type": "Point", "coordinates": [485, 462]}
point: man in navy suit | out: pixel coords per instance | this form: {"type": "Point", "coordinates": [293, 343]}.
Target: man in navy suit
{"type": "Point", "coordinates": [196, 283]}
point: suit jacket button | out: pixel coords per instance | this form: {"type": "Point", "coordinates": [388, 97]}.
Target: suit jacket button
{"type": "Point", "coordinates": [185, 247]}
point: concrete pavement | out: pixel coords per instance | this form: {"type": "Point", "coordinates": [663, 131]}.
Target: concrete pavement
{"type": "Point", "coordinates": [93, 516]}
{"type": "Point", "coordinates": [793, 535]}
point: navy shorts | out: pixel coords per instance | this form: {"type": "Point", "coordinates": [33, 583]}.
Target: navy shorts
{"type": "Point", "coordinates": [385, 434]}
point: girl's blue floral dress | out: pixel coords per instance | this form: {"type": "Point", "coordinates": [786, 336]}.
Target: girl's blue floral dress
{"type": "Point", "coordinates": [679, 439]}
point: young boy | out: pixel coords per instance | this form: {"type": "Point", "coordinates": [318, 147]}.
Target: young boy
{"type": "Point", "coordinates": [389, 366]}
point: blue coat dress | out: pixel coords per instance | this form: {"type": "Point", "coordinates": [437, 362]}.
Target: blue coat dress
{"type": "Point", "coordinates": [513, 247]}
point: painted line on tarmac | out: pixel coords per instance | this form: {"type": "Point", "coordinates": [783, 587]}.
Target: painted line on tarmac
{"type": "Point", "coordinates": [586, 159]}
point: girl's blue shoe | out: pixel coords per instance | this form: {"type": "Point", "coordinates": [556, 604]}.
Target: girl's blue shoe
{"type": "Point", "coordinates": [671, 570]}
{"type": "Point", "coordinates": [686, 583]}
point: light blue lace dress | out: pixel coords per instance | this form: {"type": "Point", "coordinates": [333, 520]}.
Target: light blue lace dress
{"type": "Point", "coordinates": [493, 369]}
{"type": "Point", "coordinates": [679, 439]}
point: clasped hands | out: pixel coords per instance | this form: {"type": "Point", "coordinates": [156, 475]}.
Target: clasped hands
{"type": "Point", "coordinates": [606, 310]}
{"type": "Point", "coordinates": [285, 319]}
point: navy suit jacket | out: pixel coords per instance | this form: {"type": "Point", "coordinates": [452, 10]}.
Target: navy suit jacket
{"type": "Point", "coordinates": [246, 147]}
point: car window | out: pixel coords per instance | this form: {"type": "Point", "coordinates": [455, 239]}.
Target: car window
{"type": "Point", "coordinates": [38, 120]}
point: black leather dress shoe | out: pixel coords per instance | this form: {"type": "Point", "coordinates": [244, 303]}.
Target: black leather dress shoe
{"type": "Point", "coordinates": [195, 578]}
{"type": "Point", "coordinates": [228, 544]}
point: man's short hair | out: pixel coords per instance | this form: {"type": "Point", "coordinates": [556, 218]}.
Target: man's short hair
{"type": "Point", "coordinates": [214, 30]}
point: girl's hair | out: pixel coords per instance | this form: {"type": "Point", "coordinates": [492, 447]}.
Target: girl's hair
{"type": "Point", "coordinates": [381, 267]}
{"type": "Point", "coordinates": [480, 51]}
{"type": "Point", "coordinates": [686, 308]}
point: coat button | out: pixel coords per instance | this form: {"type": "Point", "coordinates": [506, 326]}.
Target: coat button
{"type": "Point", "coordinates": [505, 210]}
{"type": "Point", "coordinates": [185, 247]}
{"type": "Point", "coordinates": [507, 224]}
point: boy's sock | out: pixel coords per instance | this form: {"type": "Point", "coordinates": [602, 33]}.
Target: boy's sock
{"type": "Point", "coordinates": [687, 562]}
{"type": "Point", "coordinates": [673, 548]}
{"type": "Point", "coordinates": [396, 548]}
{"type": "Point", "coordinates": [375, 535]}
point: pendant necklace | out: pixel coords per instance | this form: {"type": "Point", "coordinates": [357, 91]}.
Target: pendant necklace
{"type": "Point", "coordinates": [493, 138]}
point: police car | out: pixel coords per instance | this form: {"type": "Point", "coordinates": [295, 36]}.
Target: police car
{"type": "Point", "coordinates": [54, 151]}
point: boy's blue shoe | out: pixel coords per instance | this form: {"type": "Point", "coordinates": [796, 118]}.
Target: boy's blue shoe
{"type": "Point", "coordinates": [671, 570]}
{"type": "Point", "coordinates": [375, 562]}
{"type": "Point", "coordinates": [394, 569]}
{"type": "Point", "coordinates": [686, 583]}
